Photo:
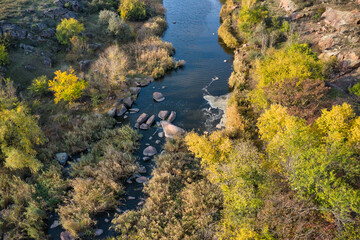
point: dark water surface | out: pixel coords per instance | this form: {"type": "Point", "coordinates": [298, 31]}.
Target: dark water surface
{"type": "Point", "coordinates": [193, 32]}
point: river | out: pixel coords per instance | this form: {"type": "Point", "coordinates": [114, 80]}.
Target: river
{"type": "Point", "coordinates": [192, 29]}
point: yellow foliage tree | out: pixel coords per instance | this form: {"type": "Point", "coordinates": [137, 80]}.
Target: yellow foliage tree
{"type": "Point", "coordinates": [67, 86]}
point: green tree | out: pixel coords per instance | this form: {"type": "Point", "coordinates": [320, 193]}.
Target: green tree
{"type": "Point", "coordinates": [67, 29]}
{"type": "Point", "coordinates": [67, 86]}
{"type": "Point", "coordinates": [132, 10]}
{"type": "Point", "coordinates": [4, 56]}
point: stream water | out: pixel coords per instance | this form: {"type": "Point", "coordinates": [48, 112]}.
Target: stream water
{"type": "Point", "coordinates": [192, 29]}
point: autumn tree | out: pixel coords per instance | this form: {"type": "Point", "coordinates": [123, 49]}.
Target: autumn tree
{"type": "Point", "coordinates": [320, 160]}
{"type": "Point", "coordinates": [4, 56]}
{"type": "Point", "coordinates": [303, 99]}
{"type": "Point", "coordinates": [67, 86]}
{"type": "Point", "coordinates": [132, 10]}
{"type": "Point", "coordinates": [67, 29]}
{"type": "Point", "coordinates": [19, 132]}
{"type": "Point", "coordinates": [296, 61]}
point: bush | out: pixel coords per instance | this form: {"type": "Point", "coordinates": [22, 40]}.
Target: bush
{"type": "Point", "coordinates": [226, 35]}
{"type": "Point", "coordinates": [106, 15]}
{"type": "Point", "coordinates": [120, 29]}
{"type": "Point", "coordinates": [132, 10]}
{"type": "Point", "coordinates": [355, 89]}
{"type": "Point", "coordinates": [97, 179]}
{"type": "Point", "coordinates": [67, 86]}
{"type": "Point", "coordinates": [96, 5]}
{"type": "Point", "coordinates": [154, 27]}
{"type": "Point", "coordinates": [250, 17]}
{"type": "Point", "coordinates": [67, 29]}
{"type": "Point", "coordinates": [4, 57]}
{"type": "Point", "coordinates": [39, 86]}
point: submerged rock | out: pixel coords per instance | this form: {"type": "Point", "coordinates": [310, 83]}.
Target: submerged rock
{"type": "Point", "coordinates": [172, 116]}
{"type": "Point", "coordinates": [55, 224]}
{"type": "Point", "coordinates": [98, 232]}
{"type": "Point", "coordinates": [149, 151]}
{"type": "Point", "coordinates": [158, 97]}
{"type": "Point", "coordinates": [141, 180]}
{"type": "Point", "coordinates": [151, 120]}
{"type": "Point", "coordinates": [163, 114]}
{"type": "Point", "coordinates": [171, 130]}
{"type": "Point", "coordinates": [142, 118]}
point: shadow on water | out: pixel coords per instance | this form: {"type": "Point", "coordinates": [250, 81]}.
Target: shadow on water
{"type": "Point", "coordinates": [193, 32]}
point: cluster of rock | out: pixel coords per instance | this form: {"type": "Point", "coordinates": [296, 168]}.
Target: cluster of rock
{"type": "Point", "coordinates": [145, 121]}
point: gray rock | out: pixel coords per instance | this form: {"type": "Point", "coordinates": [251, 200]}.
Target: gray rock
{"type": "Point", "coordinates": [30, 67]}
{"type": "Point", "coordinates": [40, 26]}
{"type": "Point", "coordinates": [137, 125]}
{"type": "Point", "coordinates": [27, 48]}
{"type": "Point", "coordinates": [157, 141]}
{"type": "Point", "coordinates": [146, 159]}
{"type": "Point", "coordinates": [163, 114]}
{"type": "Point", "coordinates": [55, 224]}
{"type": "Point", "coordinates": [142, 169]}
{"type": "Point", "coordinates": [106, 220]}
{"type": "Point", "coordinates": [144, 126]}
{"type": "Point", "coordinates": [66, 235]}
{"type": "Point", "coordinates": [141, 180]}
{"type": "Point", "coordinates": [142, 118]}
{"type": "Point", "coordinates": [128, 102]}
{"type": "Point", "coordinates": [131, 197]}
{"type": "Point", "coordinates": [121, 110]}
{"type": "Point", "coordinates": [95, 46]}
{"type": "Point", "coordinates": [171, 130]}
{"type": "Point", "coordinates": [150, 120]}
{"type": "Point", "coordinates": [62, 157]}
{"type": "Point", "coordinates": [13, 30]}
{"type": "Point", "coordinates": [49, 33]}
{"type": "Point", "coordinates": [47, 61]}
{"type": "Point", "coordinates": [172, 116]}
{"type": "Point", "coordinates": [134, 110]}
{"type": "Point", "coordinates": [161, 134]}
{"type": "Point", "coordinates": [158, 97]}
{"type": "Point", "coordinates": [84, 65]}
{"type": "Point", "coordinates": [135, 90]}
{"type": "Point", "coordinates": [112, 112]}
{"type": "Point", "coordinates": [98, 232]}
{"type": "Point", "coordinates": [149, 151]}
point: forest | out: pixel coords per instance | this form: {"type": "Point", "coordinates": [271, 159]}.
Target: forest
{"type": "Point", "coordinates": [285, 166]}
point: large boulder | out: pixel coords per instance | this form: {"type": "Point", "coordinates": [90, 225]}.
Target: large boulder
{"type": "Point", "coordinates": [135, 90]}
{"type": "Point", "coordinates": [121, 110]}
{"type": "Point", "coordinates": [149, 151]}
{"type": "Point", "coordinates": [128, 102]}
{"type": "Point", "coordinates": [62, 157]}
{"type": "Point", "coordinates": [171, 130]}
{"type": "Point", "coordinates": [158, 97]}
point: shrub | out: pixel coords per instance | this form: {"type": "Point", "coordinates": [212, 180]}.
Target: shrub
{"type": "Point", "coordinates": [154, 27]}
{"type": "Point", "coordinates": [67, 29]}
{"type": "Point", "coordinates": [106, 15]}
{"type": "Point", "coordinates": [109, 70]}
{"type": "Point", "coordinates": [249, 17]}
{"type": "Point", "coordinates": [226, 35]}
{"type": "Point", "coordinates": [67, 86]}
{"type": "Point", "coordinates": [97, 179]}
{"type": "Point", "coordinates": [4, 57]}
{"type": "Point", "coordinates": [96, 5]}
{"type": "Point", "coordinates": [39, 86]}
{"type": "Point", "coordinates": [132, 10]}
{"type": "Point", "coordinates": [120, 29]}
{"type": "Point", "coordinates": [355, 89]}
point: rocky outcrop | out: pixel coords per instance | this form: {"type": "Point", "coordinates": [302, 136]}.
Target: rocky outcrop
{"type": "Point", "coordinates": [288, 5]}
{"type": "Point", "coordinates": [340, 19]}
{"type": "Point", "coordinates": [13, 30]}
{"type": "Point", "coordinates": [171, 130]}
